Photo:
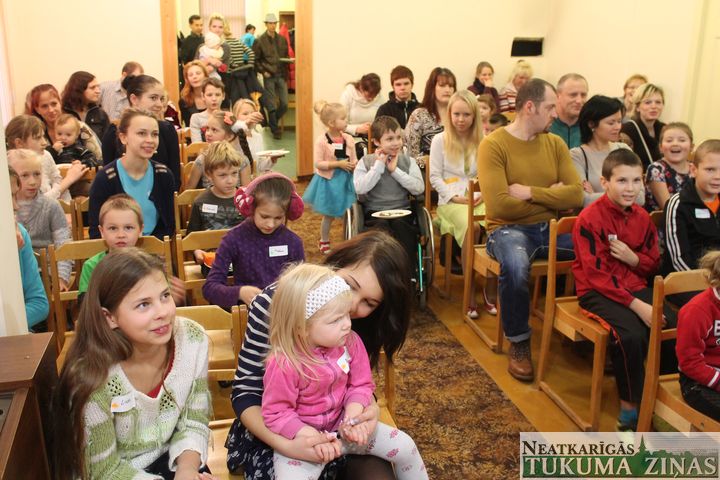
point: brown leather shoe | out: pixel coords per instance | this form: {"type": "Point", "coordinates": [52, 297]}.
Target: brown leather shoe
{"type": "Point", "coordinates": [519, 361]}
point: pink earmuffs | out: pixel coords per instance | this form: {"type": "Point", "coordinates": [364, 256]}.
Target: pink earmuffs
{"type": "Point", "coordinates": [245, 201]}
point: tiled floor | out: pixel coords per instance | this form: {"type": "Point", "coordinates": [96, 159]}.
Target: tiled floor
{"type": "Point", "coordinates": [286, 165]}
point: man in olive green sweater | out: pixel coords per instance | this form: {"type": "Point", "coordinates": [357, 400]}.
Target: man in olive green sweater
{"type": "Point", "coordinates": [526, 177]}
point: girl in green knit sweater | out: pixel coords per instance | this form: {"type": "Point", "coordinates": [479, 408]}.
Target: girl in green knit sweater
{"type": "Point", "coordinates": [133, 399]}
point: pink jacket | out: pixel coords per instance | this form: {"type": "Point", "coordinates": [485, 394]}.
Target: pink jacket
{"type": "Point", "coordinates": [291, 401]}
{"type": "Point", "coordinates": [325, 153]}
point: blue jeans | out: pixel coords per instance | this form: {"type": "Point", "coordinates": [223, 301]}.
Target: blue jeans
{"type": "Point", "coordinates": [515, 247]}
{"type": "Point", "coordinates": [276, 91]}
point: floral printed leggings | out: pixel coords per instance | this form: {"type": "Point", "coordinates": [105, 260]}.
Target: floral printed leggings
{"type": "Point", "coordinates": [386, 442]}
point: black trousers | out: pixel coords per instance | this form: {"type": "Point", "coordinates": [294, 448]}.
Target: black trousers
{"type": "Point", "coordinates": [629, 341]}
{"type": "Point", "coordinates": [404, 229]}
{"type": "Point", "coordinates": [701, 398]}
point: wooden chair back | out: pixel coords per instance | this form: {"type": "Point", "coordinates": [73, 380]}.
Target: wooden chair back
{"type": "Point", "coordinates": [182, 203]}
{"type": "Point", "coordinates": [188, 270]}
{"type": "Point", "coordinates": [657, 217]}
{"type": "Point", "coordinates": [78, 252]}
{"type": "Point", "coordinates": [661, 393]}
{"type": "Point", "coordinates": [192, 151]}
{"type": "Point", "coordinates": [69, 211]}
{"type": "Point", "coordinates": [187, 169]}
{"type": "Point", "coordinates": [81, 206]}
{"type": "Point", "coordinates": [226, 331]}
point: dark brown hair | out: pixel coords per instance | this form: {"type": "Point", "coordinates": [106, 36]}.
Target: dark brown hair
{"type": "Point", "coordinates": [386, 327]}
{"type": "Point", "coordinates": [73, 95]}
{"type": "Point", "coordinates": [383, 124]}
{"type": "Point", "coordinates": [438, 75]}
{"type": "Point", "coordinates": [533, 91]}
{"type": "Point", "coordinates": [401, 71]}
{"type": "Point", "coordinates": [616, 158]}
{"type": "Point", "coordinates": [370, 83]}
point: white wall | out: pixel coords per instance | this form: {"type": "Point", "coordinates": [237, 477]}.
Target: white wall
{"type": "Point", "coordinates": [12, 306]}
{"type": "Point", "coordinates": [47, 41]}
{"type": "Point", "coordinates": [601, 40]}
{"type": "Point", "coordinates": [183, 10]}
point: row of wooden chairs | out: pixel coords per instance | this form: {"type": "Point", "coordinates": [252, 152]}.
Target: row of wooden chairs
{"type": "Point", "coordinates": [563, 314]}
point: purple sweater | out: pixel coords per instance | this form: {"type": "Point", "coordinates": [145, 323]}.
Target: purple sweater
{"type": "Point", "coordinates": [257, 260]}
{"type": "Point", "coordinates": [291, 401]}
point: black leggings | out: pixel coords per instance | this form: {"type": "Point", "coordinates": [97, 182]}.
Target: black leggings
{"type": "Point", "coordinates": [703, 399]}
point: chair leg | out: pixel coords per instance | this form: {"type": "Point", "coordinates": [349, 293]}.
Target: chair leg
{"type": "Point", "coordinates": [596, 381]}
{"type": "Point", "coordinates": [545, 341]}
{"type": "Point", "coordinates": [499, 333]}
{"type": "Point", "coordinates": [535, 298]}
{"type": "Point", "coordinates": [448, 264]}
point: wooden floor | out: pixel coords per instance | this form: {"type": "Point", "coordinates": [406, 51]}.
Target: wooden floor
{"type": "Point", "coordinates": [569, 371]}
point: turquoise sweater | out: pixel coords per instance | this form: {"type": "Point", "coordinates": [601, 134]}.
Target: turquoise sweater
{"type": "Point", "coordinates": [36, 302]}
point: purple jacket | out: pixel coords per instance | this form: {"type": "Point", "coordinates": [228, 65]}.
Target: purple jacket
{"type": "Point", "coordinates": [291, 401]}
{"type": "Point", "coordinates": [257, 260]}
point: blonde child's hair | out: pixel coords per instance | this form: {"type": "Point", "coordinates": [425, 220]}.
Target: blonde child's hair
{"type": "Point", "coordinates": [240, 103]}
{"type": "Point", "coordinates": [121, 201]}
{"type": "Point", "coordinates": [66, 118]}
{"type": "Point", "coordinates": [18, 155]}
{"type": "Point", "coordinates": [708, 146]}
{"type": "Point", "coordinates": [329, 112]}
{"type": "Point", "coordinates": [227, 33]}
{"type": "Point", "coordinates": [221, 154]}
{"type": "Point", "coordinates": [288, 326]}
{"type": "Point", "coordinates": [455, 147]}
{"type": "Point", "coordinates": [21, 128]}
{"type": "Point", "coordinates": [711, 262]}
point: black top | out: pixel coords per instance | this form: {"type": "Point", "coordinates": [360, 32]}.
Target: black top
{"type": "Point", "coordinates": [630, 129]}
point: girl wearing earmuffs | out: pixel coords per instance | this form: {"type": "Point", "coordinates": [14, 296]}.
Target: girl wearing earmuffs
{"type": "Point", "coordinates": [261, 245]}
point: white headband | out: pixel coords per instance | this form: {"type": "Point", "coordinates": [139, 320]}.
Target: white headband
{"type": "Point", "coordinates": [326, 291]}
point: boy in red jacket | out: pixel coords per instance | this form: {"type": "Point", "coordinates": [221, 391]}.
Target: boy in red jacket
{"type": "Point", "coordinates": [616, 251]}
{"type": "Point", "coordinates": [698, 344]}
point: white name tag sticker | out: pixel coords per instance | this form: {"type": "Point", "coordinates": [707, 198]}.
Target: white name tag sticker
{"type": "Point", "coordinates": [338, 146]}
{"type": "Point", "coordinates": [122, 403]}
{"type": "Point", "coordinates": [702, 213]}
{"type": "Point", "coordinates": [278, 251]}
{"type": "Point", "coordinates": [209, 208]}
{"type": "Point", "coordinates": [344, 361]}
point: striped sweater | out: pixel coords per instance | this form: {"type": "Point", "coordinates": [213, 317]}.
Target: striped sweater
{"type": "Point", "coordinates": [120, 444]}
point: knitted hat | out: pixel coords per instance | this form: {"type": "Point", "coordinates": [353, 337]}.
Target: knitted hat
{"type": "Point", "coordinates": [211, 40]}
{"type": "Point", "coordinates": [245, 201]}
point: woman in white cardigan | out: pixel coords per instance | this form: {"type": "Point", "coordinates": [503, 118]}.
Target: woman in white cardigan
{"type": "Point", "coordinates": [453, 162]}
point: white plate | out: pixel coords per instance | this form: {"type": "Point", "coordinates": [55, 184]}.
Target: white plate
{"type": "Point", "coordinates": [272, 153]}
{"type": "Point", "coordinates": [392, 213]}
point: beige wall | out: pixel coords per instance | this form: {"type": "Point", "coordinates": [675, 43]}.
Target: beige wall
{"type": "Point", "coordinates": [12, 307]}
{"type": "Point", "coordinates": [45, 47]}
{"type": "Point", "coordinates": [183, 10]}
{"type": "Point", "coordinates": [600, 40]}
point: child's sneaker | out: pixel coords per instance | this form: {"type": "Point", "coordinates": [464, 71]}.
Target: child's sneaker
{"type": "Point", "coordinates": [324, 247]}
{"type": "Point", "coordinates": [627, 421]}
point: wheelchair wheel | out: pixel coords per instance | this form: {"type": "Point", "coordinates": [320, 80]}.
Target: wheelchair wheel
{"type": "Point", "coordinates": [352, 221]}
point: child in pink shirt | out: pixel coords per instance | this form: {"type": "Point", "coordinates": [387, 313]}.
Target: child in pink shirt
{"type": "Point", "coordinates": [318, 378]}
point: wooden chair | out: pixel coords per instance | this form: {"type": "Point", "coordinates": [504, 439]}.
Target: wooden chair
{"type": "Point", "coordinates": [186, 171]}
{"type": "Point", "coordinates": [477, 260]}
{"type": "Point", "coordinates": [42, 260]}
{"type": "Point", "coordinates": [182, 204]}
{"type": "Point", "coordinates": [81, 205]}
{"type": "Point", "coordinates": [564, 315]}
{"type": "Point", "coordinates": [657, 217]}
{"type": "Point", "coordinates": [69, 211]}
{"type": "Point", "coordinates": [79, 251]}
{"type": "Point", "coordinates": [661, 393]}
{"type": "Point", "coordinates": [189, 271]}
{"type": "Point", "coordinates": [191, 151]}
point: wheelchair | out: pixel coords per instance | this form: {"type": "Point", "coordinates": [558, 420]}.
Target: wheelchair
{"type": "Point", "coordinates": [354, 223]}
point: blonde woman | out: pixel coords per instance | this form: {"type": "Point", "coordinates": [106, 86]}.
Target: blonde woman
{"type": "Point", "coordinates": [453, 161]}
{"type": "Point", "coordinates": [521, 73]}
{"type": "Point", "coordinates": [645, 126]}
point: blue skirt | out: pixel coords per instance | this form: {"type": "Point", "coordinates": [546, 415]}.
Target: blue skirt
{"type": "Point", "coordinates": [331, 197]}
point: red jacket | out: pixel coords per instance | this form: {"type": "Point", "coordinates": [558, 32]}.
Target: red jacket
{"type": "Point", "coordinates": [595, 269]}
{"type": "Point", "coordinates": [698, 335]}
